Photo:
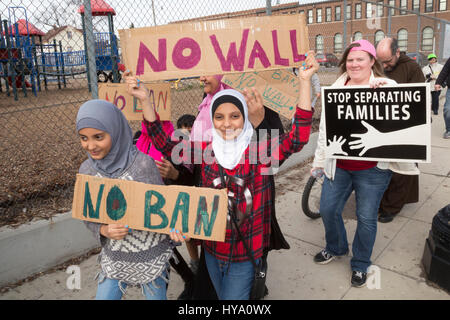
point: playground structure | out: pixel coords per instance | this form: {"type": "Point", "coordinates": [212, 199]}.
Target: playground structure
{"type": "Point", "coordinates": [24, 57]}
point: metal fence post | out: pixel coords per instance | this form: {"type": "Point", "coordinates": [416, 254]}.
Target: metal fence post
{"type": "Point", "coordinates": [90, 52]}
{"type": "Point", "coordinates": [344, 44]}
{"type": "Point", "coordinates": [269, 7]}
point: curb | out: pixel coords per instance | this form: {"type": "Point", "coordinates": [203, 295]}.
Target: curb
{"type": "Point", "coordinates": [38, 246]}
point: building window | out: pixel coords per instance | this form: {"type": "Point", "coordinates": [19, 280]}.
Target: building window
{"type": "Point", "coordinates": [392, 10]}
{"type": "Point", "coordinates": [357, 36]}
{"type": "Point", "coordinates": [380, 9]}
{"type": "Point", "coordinates": [338, 43]}
{"type": "Point", "coordinates": [442, 5]}
{"type": "Point", "coordinates": [358, 14]}
{"type": "Point", "coordinates": [69, 34]}
{"type": "Point", "coordinates": [337, 13]}
{"type": "Point", "coordinates": [348, 12]}
{"type": "Point", "coordinates": [328, 14]}
{"type": "Point", "coordinates": [319, 15]}
{"type": "Point", "coordinates": [369, 10]}
{"type": "Point", "coordinates": [429, 6]}
{"type": "Point", "coordinates": [379, 35]}
{"type": "Point", "coordinates": [301, 11]}
{"type": "Point", "coordinates": [427, 39]}
{"type": "Point", "coordinates": [402, 37]}
{"type": "Point", "coordinates": [403, 5]}
{"type": "Point", "coordinates": [293, 12]}
{"type": "Point", "coordinates": [319, 43]}
{"type": "Point", "coordinates": [416, 5]}
{"type": "Point", "coordinates": [310, 16]}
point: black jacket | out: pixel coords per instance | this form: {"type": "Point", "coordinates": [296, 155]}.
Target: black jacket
{"type": "Point", "coordinates": [444, 76]}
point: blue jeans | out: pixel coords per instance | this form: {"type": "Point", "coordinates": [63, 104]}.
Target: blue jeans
{"type": "Point", "coordinates": [369, 186]}
{"type": "Point", "coordinates": [232, 280]}
{"type": "Point", "coordinates": [447, 110]}
{"type": "Point", "coordinates": [108, 289]}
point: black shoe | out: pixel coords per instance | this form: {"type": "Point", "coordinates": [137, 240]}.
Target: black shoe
{"type": "Point", "coordinates": [435, 112]}
{"type": "Point", "coordinates": [384, 217]}
{"type": "Point", "coordinates": [323, 257]}
{"type": "Point", "coordinates": [359, 279]}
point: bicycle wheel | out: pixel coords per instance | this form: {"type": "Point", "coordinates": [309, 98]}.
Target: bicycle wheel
{"type": "Point", "coordinates": [311, 197]}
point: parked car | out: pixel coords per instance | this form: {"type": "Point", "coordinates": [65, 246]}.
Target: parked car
{"type": "Point", "coordinates": [327, 59]}
{"type": "Point", "coordinates": [420, 58]}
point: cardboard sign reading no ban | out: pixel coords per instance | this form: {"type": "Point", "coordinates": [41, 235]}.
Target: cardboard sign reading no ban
{"type": "Point", "coordinates": [159, 94]}
{"type": "Point", "coordinates": [198, 212]}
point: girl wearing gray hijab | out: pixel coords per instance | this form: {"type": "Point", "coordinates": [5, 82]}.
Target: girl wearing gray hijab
{"type": "Point", "coordinates": [128, 257]}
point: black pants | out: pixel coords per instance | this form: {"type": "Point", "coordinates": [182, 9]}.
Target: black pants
{"type": "Point", "coordinates": [435, 101]}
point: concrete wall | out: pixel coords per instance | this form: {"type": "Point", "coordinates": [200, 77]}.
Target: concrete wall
{"type": "Point", "coordinates": [41, 245]}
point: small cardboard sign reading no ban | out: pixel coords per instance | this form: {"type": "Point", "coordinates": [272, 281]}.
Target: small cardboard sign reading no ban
{"type": "Point", "coordinates": [198, 212]}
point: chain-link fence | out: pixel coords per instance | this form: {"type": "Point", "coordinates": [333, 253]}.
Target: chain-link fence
{"type": "Point", "coordinates": [45, 73]}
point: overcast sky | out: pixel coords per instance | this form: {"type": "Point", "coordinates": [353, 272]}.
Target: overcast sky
{"type": "Point", "coordinates": [139, 12]}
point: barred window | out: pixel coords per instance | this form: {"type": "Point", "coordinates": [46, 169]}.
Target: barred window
{"type": "Point", "coordinates": [319, 43]}
{"type": "Point", "coordinates": [442, 5]}
{"type": "Point", "coordinates": [310, 16]}
{"type": "Point", "coordinates": [402, 37]}
{"type": "Point", "coordinates": [337, 43]}
{"type": "Point", "coordinates": [337, 13]}
{"type": "Point", "coordinates": [429, 6]}
{"type": "Point", "coordinates": [416, 5]}
{"type": "Point", "coordinates": [403, 5]}
{"type": "Point", "coordinates": [319, 15]}
{"type": "Point", "coordinates": [328, 14]}
{"type": "Point", "coordinates": [358, 9]}
{"type": "Point", "coordinates": [357, 36]}
{"type": "Point", "coordinates": [427, 39]}
{"type": "Point", "coordinates": [379, 35]}
{"type": "Point", "coordinates": [349, 11]}
{"type": "Point", "coordinates": [391, 10]}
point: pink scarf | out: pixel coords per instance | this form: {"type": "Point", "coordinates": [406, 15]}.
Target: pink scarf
{"type": "Point", "coordinates": [201, 130]}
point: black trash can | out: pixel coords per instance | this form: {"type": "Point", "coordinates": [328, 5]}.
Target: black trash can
{"type": "Point", "coordinates": [436, 255]}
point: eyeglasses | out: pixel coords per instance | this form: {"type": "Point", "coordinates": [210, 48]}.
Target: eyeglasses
{"type": "Point", "coordinates": [388, 61]}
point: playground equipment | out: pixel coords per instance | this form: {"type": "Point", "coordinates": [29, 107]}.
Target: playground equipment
{"type": "Point", "coordinates": [17, 53]}
{"type": "Point", "coordinates": [22, 55]}
{"type": "Point", "coordinates": [106, 50]}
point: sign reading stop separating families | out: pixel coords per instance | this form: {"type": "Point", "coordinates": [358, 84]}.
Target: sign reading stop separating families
{"type": "Point", "coordinates": [384, 124]}
{"type": "Point", "coordinates": [198, 212]}
{"type": "Point", "coordinates": [192, 49]}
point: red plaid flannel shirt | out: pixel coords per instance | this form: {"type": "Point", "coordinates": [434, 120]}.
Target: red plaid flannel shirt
{"type": "Point", "coordinates": [256, 228]}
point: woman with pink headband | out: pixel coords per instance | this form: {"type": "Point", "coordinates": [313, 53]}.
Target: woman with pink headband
{"type": "Point", "coordinates": [369, 179]}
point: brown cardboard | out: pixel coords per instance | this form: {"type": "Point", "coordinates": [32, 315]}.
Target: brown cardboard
{"type": "Point", "coordinates": [279, 88]}
{"type": "Point", "coordinates": [124, 202]}
{"type": "Point", "coordinates": [181, 50]}
{"type": "Point", "coordinates": [116, 93]}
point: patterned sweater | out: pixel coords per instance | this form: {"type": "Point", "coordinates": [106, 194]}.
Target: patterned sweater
{"type": "Point", "coordinates": [142, 256]}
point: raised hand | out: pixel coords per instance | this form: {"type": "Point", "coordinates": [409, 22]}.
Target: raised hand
{"type": "Point", "coordinates": [335, 147]}
{"type": "Point", "coordinates": [308, 67]}
{"type": "Point", "coordinates": [255, 106]}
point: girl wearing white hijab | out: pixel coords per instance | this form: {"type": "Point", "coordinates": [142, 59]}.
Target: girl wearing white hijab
{"type": "Point", "coordinates": [128, 257]}
{"type": "Point", "coordinates": [228, 262]}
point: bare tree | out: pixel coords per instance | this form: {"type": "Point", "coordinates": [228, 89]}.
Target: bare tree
{"type": "Point", "coordinates": [59, 14]}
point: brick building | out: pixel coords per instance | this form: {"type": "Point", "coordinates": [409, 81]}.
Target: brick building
{"type": "Point", "coordinates": [368, 20]}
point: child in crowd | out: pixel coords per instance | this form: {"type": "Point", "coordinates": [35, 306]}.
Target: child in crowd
{"type": "Point", "coordinates": [128, 257]}
{"type": "Point", "coordinates": [228, 262]}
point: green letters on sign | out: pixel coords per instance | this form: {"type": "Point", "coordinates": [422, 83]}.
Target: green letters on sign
{"type": "Point", "coordinates": [182, 205]}
{"type": "Point", "coordinates": [155, 209]}
{"type": "Point", "coordinates": [88, 202]}
{"type": "Point", "coordinates": [202, 216]}
{"type": "Point", "coordinates": [116, 205]}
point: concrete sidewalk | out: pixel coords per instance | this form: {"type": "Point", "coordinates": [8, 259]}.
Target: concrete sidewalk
{"type": "Point", "coordinates": [292, 273]}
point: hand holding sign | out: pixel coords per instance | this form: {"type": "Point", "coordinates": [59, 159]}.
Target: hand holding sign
{"type": "Point", "coordinates": [308, 67]}
{"type": "Point", "coordinates": [138, 90]}
{"type": "Point", "coordinates": [335, 146]}
{"type": "Point", "coordinates": [368, 140]}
